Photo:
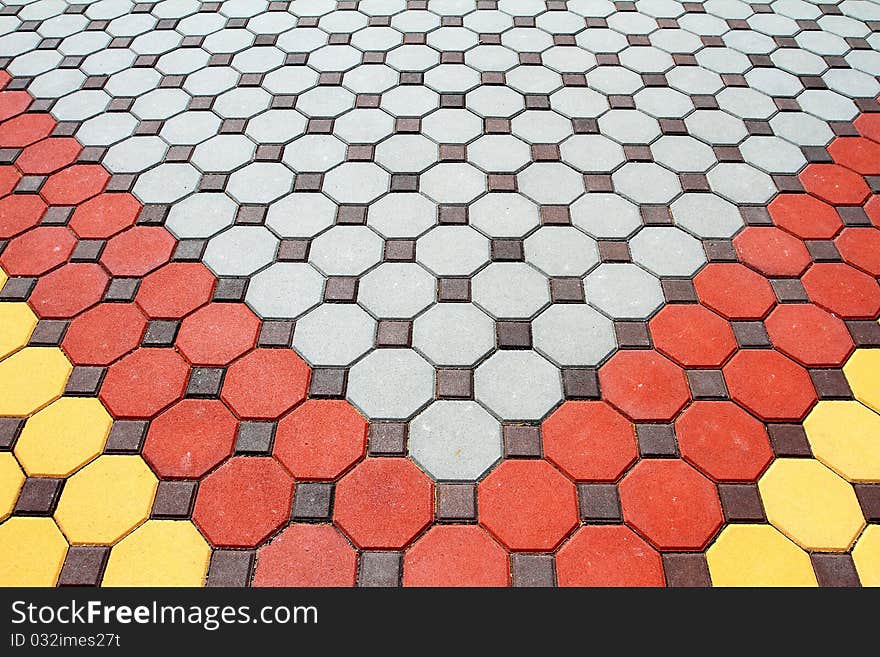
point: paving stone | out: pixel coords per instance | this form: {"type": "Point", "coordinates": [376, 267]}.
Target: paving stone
{"type": "Point", "coordinates": [518, 385]}
{"type": "Point", "coordinates": [407, 384]}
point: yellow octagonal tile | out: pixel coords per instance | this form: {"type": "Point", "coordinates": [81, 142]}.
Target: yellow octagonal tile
{"type": "Point", "coordinates": [866, 555]}
{"type": "Point", "coordinates": [32, 551]}
{"type": "Point", "coordinates": [811, 505]}
{"type": "Point", "coordinates": [31, 378]}
{"type": "Point", "coordinates": [845, 436]}
{"type": "Point", "coordinates": [11, 480]}
{"type": "Point", "coordinates": [159, 553]}
{"type": "Point", "coordinates": [64, 436]}
{"type": "Point", "coordinates": [106, 499]}
{"type": "Point", "coordinates": [862, 370]}
{"type": "Point", "coordinates": [758, 555]}
{"type": "Point", "coordinates": [17, 322]}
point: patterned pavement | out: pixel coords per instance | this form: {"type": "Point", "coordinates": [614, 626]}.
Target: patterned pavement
{"type": "Point", "coordinates": [443, 292]}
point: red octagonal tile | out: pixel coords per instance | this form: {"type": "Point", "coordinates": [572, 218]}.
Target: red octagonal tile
{"type": "Point", "coordinates": [772, 251]}
{"type": "Point", "coordinates": [860, 247]}
{"type": "Point", "coordinates": [242, 502]}
{"type": "Point", "coordinates": [37, 251]}
{"type": "Point", "coordinates": [190, 438]}
{"type": "Point", "coordinates": [834, 183]}
{"type": "Point", "coordinates": [644, 384]}
{"type": "Point", "coordinates": [384, 503]}
{"type": "Point", "coordinates": [856, 153]}
{"type": "Point", "coordinates": [175, 290]}
{"type": "Point", "coordinates": [805, 216]}
{"type": "Point", "coordinates": [138, 251]}
{"type": "Point", "coordinates": [869, 126]}
{"type": "Point", "coordinates": [590, 441]}
{"type": "Point", "coordinates": [68, 290]}
{"type": "Point", "coordinates": [48, 156]}
{"type": "Point", "coordinates": [13, 103]}
{"type": "Point", "coordinates": [144, 382]}
{"type": "Point", "coordinates": [843, 290]}
{"type": "Point", "coordinates": [321, 439]}
{"type": "Point", "coordinates": [770, 385]}
{"type": "Point", "coordinates": [25, 129]}
{"type": "Point", "coordinates": [218, 333]}
{"type": "Point", "coordinates": [106, 332]}
{"type": "Point", "coordinates": [810, 335]}
{"type": "Point", "coordinates": [723, 441]}
{"type": "Point", "coordinates": [671, 504]}
{"type": "Point", "coordinates": [104, 215]}
{"type": "Point", "coordinates": [20, 212]}
{"type": "Point", "coordinates": [75, 184]}
{"type": "Point", "coordinates": [266, 383]}
{"type": "Point", "coordinates": [307, 555]}
{"type": "Point", "coordinates": [734, 290]}
{"type": "Point", "coordinates": [611, 555]}
{"type": "Point", "coordinates": [692, 335]}
{"type": "Point", "coordinates": [456, 555]}
{"type": "Point", "coordinates": [527, 505]}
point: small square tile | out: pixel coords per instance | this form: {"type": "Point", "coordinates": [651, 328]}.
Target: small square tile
{"type": "Point", "coordinates": [831, 384]}
{"type": "Point", "coordinates": [341, 289]}
{"type": "Point", "coordinates": [869, 499]}
{"type": "Point", "coordinates": [17, 289]}
{"type": "Point", "coordinates": [532, 570]}
{"type": "Point", "coordinates": [85, 381]}
{"type": "Point", "coordinates": [360, 153]}
{"type": "Point", "coordinates": [853, 216]}
{"type": "Point", "coordinates": [566, 290]}
{"type": "Point", "coordinates": [160, 333]}
{"type": "Point", "coordinates": [412, 77]}
{"type": "Point", "coordinates": [507, 250]}
{"type": "Point", "coordinates": [122, 289]}
{"type": "Point", "coordinates": [611, 251]}
{"type": "Point", "coordinates": [38, 496]}
{"type": "Point", "coordinates": [513, 335]}
{"type": "Point", "coordinates": [205, 382]}
{"type": "Point", "coordinates": [750, 334]}
{"type": "Point", "coordinates": [84, 565]}
{"type": "Point", "coordinates": [789, 290]}
{"type": "Point", "coordinates": [585, 126]}
{"type": "Point", "coordinates": [835, 570]}
{"type": "Point", "coordinates": [255, 438]}
{"type": "Point", "coordinates": [230, 568]}
{"type": "Point", "coordinates": [755, 216]}
{"type": "Point", "coordinates": [455, 384]}
{"type": "Point", "coordinates": [387, 438]}
{"type": "Point", "coordinates": [574, 80]}
{"type": "Point", "coordinates": [276, 333]}
{"type": "Point", "coordinates": [380, 569]}
{"type": "Point", "coordinates": [580, 383]}
{"type": "Point", "coordinates": [719, 251]}
{"type": "Point", "coordinates": [48, 333]}
{"type": "Point", "coordinates": [456, 502]}
{"type": "Point", "coordinates": [404, 182]}
{"type": "Point", "coordinates": [522, 441]}
{"type": "Point", "coordinates": [545, 152]}
{"type": "Point", "coordinates": [313, 501]}
{"type": "Point", "coordinates": [126, 437]}
{"type": "Point", "coordinates": [293, 250]}
{"type": "Point", "coordinates": [865, 333]}
{"type": "Point", "coordinates": [30, 184]}
{"type": "Point", "coordinates": [694, 182]}
{"type": "Point", "coordinates": [408, 125]}
{"type": "Point", "coordinates": [495, 126]}
{"type": "Point", "coordinates": [453, 152]}
{"type": "Point", "coordinates": [756, 127]}
{"type": "Point", "coordinates": [617, 101]}
{"type": "Point", "coordinates": [706, 384]}
{"type": "Point", "coordinates": [174, 499]}
{"type": "Point", "coordinates": [328, 383]}
{"type": "Point", "coordinates": [152, 215]}
{"type": "Point", "coordinates": [454, 290]}
{"type": "Point", "coordinates": [351, 215]}
{"type": "Point", "coordinates": [452, 215]}
{"type": "Point", "coordinates": [319, 126]}
{"type": "Point", "coordinates": [741, 503]}
{"type": "Point", "coordinates": [501, 182]}
{"type": "Point", "coordinates": [599, 503]}
{"type": "Point", "coordinates": [189, 250]}
{"type": "Point", "coordinates": [656, 215]}
{"type": "Point", "coordinates": [57, 215]}
{"type": "Point", "coordinates": [595, 182]}
{"type": "Point", "coordinates": [656, 440]}
{"type": "Point", "coordinates": [787, 183]}
{"type": "Point", "coordinates": [686, 570]}
{"type": "Point", "coordinates": [632, 335]}
{"type": "Point", "coordinates": [251, 215]}
{"type": "Point", "coordinates": [789, 440]}
{"type": "Point", "coordinates": [400, 251]}
{"type": "Point", "coordinates": [308, 182]}
{"type": "Point", "coordinates": [394, 333]}
{"type": "Point", "coordinates": [492, 77]}
{"type": "Point", "coordinates": [555, 215]}
{"type": "Point", "coordinates": [823, 251]}
{"type": "Point", "coordinates": [637, 153]}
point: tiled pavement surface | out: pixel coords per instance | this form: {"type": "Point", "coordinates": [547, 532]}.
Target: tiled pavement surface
{"type": "Point", "coordinates": [444, 292]}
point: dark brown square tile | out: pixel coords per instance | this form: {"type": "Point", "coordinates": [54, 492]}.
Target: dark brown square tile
{"type": "Point", "coordinates": [83, 565]}
{"type": "Point", "coordinates": [85, 381]}
{"type": "Point", "coordinates": [522, 441]}
{"type": "Point", "coordinates": [387, 438]}
{"type": "Point", "coordinates": [750, 334]}
{"type": "Point", "coordinates": [686, 569]}
{"type": "Point", "coordinates": [453, 152]}
{"type": "Point", "coordinates": [230, 568]}
{"type": "Point", "coordinates": [507, 250]}
{"type": "Point", "coordinates": [598, 182]}
{"type": "Point", "coordinates": [404, 182]}
{"type": "Point", "coordinates": [313, 502]}
{"type": "Point", "coordinates": [452, 214]}
{"type": "Point", "coordinates": [38, 496]}
{"type": "Point", "coordinates": [351, 215]}
{"type": "Point", "coordinates": [122, 289]}
{"type": "Point", "coordinates": [566, 290]}
{"type": "Point", "coordinates": [706, 384]}
{"type": "Point", "coordinates": [789, 290]}
{"type": "Point", "coordinates": [454, 290]}
{"type": "Point", "coordinates": [853, 215]}
{"type": "Point", "coordinates": [400, 251]}
{"type": "Point", "coordinates": [255, 438]}
{"type": "Point", "coordinates": [341, 289]}
{"type": "Point", "coordinates": [189, 250]}
{"type": "Point", "coordinates": [831, 384]}
{"type": "Point", "coordinates": [656, 440]}
{"type": "Point", "coordinates": [835, 570]}
{"type": "Point", "coordinates": [789, 440]}
{"type": "Point", "coordinates": [328, 383]}
{"type": "Point", "coordinates": [293, 250]}
{"type": "Point", "coordinates": [656, 215]}
{"type": "Point", "coordinates": [160, 333]}
{"type": "Point", "coordinates": [869, 499]}
{"type": "Point", "coordinates": [741, 503]}
{"type": "Point", "coordinates": [394, 333]}
{"type": "Point", "coordinates": [126, 437]}
{"type": "Point", "coordinates": [251, 215]}
{"type": "Point", "coordinates": [823, 251]}
{"type": "Point", "coordinates": [533, 570]}
{"type": "Point", "coordinates": [501, 182]}
{"type": "Point", "coordinates": [17, 289]}
{"type": "Point", "coordinates": [456, 502]}
{"type": "Point", "coordinates": [455, 384]}
{"type": "Point", "coordinates": [513, 335]}
{"type": "Point", "coordinates": [614, 251]}
{"type": "Point", "coordinates": [755, 216]}
{"type": "Point", "coordinates": [230, 290]}
{"type": "Point", "coordinates": [48, 333]}
{"type": "Point", "coordinates": [555, 215]}
{"type": "Point", "coordinates": [174, 499]}
{"type": "Point", "coordinates": [599, 503]}
{"type": "Point", "coordinates": [865, 333]}
{"type": "Point", "coordinates": [632, 335]}
{"type": "Point", "coordinates": [580, 383]}
{"type": "Point", "coordinates": [276, 333]}
{"type": "Point", "coordinates": [545, 152]}
{"type": "Point", "coordinates": [205, 382]}
{"type": "Point", "coordinates": [380, 569]}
